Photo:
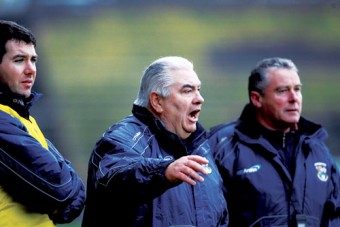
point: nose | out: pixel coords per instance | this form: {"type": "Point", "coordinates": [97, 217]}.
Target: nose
{"type": "Point", "coordinates": [294, 96]}
{"type": "Point", "coordinates": [30, 68]}
{"type": "Point", "coordinates": [199, 98]}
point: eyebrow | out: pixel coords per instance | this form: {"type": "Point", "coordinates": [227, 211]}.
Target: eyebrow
{"type": "Point", "coordinates": [288, 86]}
{"type": "Point", "coordinates": [24, 56]}
{"type": "Point", "coordinates": [191, 86]}
{"type": "Point", "coordinates": [188, 86]}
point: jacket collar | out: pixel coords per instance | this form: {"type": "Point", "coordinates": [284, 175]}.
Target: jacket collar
{"type": "Point", "coordinates": [168, 138]}
{"type": "Point", "coordinates": [18, 102]}
{"type": "Point", "coordinates": [248, 125]}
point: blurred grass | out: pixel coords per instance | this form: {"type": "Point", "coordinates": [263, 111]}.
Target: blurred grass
{"type": "Point", "coordinates": [94, 63]}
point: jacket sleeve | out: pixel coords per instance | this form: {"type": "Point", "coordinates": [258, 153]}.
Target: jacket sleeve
{"type": "Point", "coordinates": [224, 145]}
{"type": "Point", "coordinates": [332, 206]}
{"type": "Point", "coordinates": [39, 178]}
{"type": "Point", "coordinates": [120, 166]}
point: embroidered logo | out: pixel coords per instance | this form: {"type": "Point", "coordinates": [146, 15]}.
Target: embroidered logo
{"type": "Point", "coordinates": [168, 158]}
{"type": "Point", "coordinates": [321, 171]}
{"type": "Point", "coordinates": [136, 136]}
{"type": "Point", "coordinates": [252, 169]}
{"type": "Point", "coordinates": [20, 102]}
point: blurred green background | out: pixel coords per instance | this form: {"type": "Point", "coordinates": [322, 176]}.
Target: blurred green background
{"type": "Point", "coordinates": [91, 58]}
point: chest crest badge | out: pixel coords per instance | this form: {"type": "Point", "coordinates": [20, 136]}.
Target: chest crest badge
{"type": "Point", "coordinates": [321, 171]}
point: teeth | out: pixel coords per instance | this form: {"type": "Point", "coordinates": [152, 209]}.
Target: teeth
{"type": "Point", "coordinates": [194, 113]}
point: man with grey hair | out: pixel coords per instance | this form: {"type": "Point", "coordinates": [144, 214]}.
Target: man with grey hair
{"type": "Point", "coordinates": [276, 169]}
{"type": "Point", "coordinates": [155, 168]}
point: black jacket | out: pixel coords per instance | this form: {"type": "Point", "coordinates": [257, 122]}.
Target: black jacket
{"type": "Point", "coordinates": [32, 171]}
{"type": "Point", "coordinates": [126, 182]}
{"type": "Point", "coordinates": [263, 188]}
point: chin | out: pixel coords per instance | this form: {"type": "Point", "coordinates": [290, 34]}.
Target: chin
{"type": "Point", "coordinates": [27, 94]}
{"type": "Point", "coordinates": [191, 130]}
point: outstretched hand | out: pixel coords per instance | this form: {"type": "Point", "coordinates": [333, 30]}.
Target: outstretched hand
{"type": "Point", "coordinates": [186, 169]}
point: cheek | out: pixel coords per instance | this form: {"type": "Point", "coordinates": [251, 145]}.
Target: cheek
{"type": "Point", "coordinates": [6, 79]}
{"type": "Point", "coordinates": [280, 102]}
{"type": "Point", "coordinates": [178, 113]}
{"type": "Point", "coordinates": [274, 108]}
{"type": "Point", "coordinates": [173, 109]}
{"type": "Point", "coordinates": [179, 105]}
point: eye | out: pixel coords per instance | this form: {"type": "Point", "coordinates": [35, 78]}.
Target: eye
{"type": "Point", "coordinates": [19, 60]}
{"type": "Point", "coordinates": [281, 90]}
{"type": "Point", "coordinates": [187, 90]}
{"type": "Point", "coordinates": [298, 88]}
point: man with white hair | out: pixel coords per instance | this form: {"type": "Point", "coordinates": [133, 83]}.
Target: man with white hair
{"type": "Point", "coordinates": [154, 168]}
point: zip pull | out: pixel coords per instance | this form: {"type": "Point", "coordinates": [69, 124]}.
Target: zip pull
{"type": "Point", "coordinates": [301, 220]}
{"type": "Point", "coordinates": [284, 141]}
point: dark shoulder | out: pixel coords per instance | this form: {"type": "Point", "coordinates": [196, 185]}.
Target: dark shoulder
{"type": "Point", "coordinates": [126, 128]}
{"type": "Point", "coordinates": [126, 134]}
{"type": "Point", "coordinates": [220, 133]}
{"type": "Point", "coordinates": [222, 130]}
{"type": "Point", "coordinates": [7, 120]}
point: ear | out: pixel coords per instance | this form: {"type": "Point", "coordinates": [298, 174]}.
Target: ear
{"type": "Point", "coordinates": [256, 99]}
{"type": "Point", "coordinates": [156, 102]}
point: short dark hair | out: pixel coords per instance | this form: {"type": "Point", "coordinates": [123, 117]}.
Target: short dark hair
{"type": "Point", "coordinates": [258, 76]}
{"type": "Point", "coordinates": [10, 30]}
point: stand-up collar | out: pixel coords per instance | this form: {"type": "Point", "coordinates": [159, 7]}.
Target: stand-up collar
{"type": "Point", "coordinates": [249, 125]}
{"type": "Point", "coordinates": [18, 102]}
{"type": "Point", "coordinates": [169, 138]}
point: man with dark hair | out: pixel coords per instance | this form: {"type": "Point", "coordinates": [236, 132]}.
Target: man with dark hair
{"type": "Point", "coordinates": [276, 168]}
{"type": "Point", "coordinates": [38, 187]}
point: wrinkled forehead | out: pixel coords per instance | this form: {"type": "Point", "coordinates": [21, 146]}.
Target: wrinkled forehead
{"type": "Point", "coordinates": [282, 75]}
{"type": "Point", "coordinates": [185, 76]}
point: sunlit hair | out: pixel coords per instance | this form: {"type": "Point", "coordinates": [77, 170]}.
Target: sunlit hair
{"type": "Point", "coordinates": [157, 78]}
{"type": "Point", "coordinates": [10, 30]}
{"type": "Point", "coordinates": [258, 76]}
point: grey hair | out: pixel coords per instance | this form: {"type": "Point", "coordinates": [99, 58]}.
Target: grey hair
{"type": "Point", "coordinates": [157, 78]}
{"type": "Point", "coordinates": [258, 76]}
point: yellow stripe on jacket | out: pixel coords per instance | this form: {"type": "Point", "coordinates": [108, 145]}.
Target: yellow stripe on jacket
{"type": "Point", "coordinates": [14, 214]}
